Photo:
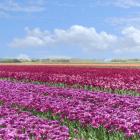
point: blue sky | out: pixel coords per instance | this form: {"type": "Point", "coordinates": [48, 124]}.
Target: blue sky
{"type": "Point", "coordinates": [101, 29]}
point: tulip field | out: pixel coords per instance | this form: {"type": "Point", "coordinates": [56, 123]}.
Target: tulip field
{"type": "Point", "coordinates": [41, 102]}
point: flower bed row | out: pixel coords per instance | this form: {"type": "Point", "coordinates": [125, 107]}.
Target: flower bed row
{"type": "Point", "coordinates": [113, 112]}
{"type": "Point", "coordinates": [16, 125]}
{"type": "Point", "coordinates": [108, 78]}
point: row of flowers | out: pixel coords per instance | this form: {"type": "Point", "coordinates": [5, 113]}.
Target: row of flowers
{"type": "Point", "coordinates": [114, 112]}
{"type": "Point", "coordinates": [16, 125]}
{"type": "Point", "coordinates": [128, 79]}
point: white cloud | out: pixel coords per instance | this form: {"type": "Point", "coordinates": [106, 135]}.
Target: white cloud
{"type": "Point", "coordinates": [27, 6]}
{"type": "Point", "coordinates": [80, 36]}
{"type": "Point", "coordinates": [124, 21]}
{"type": "Point", "coordinates": [86, 39]}
{"type": "Point", "coordinates": [127, 3]}
{"type": "Point", "coordinates": [120, 3]}
{"type": "Point", "coordinates": [130, 41]}
{"type": "Point", "coordinates": [132, 34]}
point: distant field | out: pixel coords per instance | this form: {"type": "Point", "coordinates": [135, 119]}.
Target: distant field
{"type": "Point", "coordinates": [83, 65]}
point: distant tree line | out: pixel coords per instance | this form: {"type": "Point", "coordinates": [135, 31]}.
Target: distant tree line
{"type": "Point", "coordinates": [10, 61]}
{"type": "Point", "coordinates": [62, 60]}
{"type": "Point", "coordinates": [35, 60]}
{"type": "Point", "coordinates": [125, 60]}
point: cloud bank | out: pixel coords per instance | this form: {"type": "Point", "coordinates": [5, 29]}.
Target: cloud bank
{"type": "Point", "coordinates": [120, 3]}
{"type": "Point", "coordinates": [7, 6]}
{"type": "Point", "coordinates": [85, 38]}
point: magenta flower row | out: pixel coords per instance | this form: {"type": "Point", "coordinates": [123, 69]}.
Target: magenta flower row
{"type": "Point", "coordinates": [116, 78]}
{"type": "Point", "coordinates": [114, 112]}
{"type": "Point", "coordinates": [24, 126]}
